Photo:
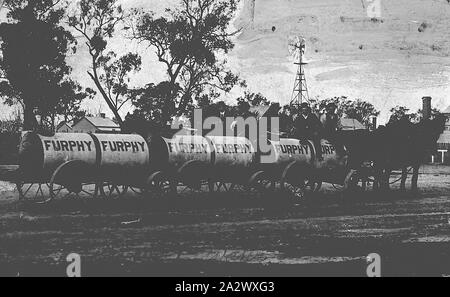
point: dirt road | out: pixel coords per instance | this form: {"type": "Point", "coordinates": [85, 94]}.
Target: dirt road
{"type": "Point", "coordinates": [233, 234]}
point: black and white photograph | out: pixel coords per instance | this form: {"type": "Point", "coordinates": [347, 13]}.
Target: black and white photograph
{"type": "Point", "coordinates": [221, 146]}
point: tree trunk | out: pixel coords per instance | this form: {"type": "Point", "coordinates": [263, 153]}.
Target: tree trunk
{"type": "Point", "coordinates": [95, 79]}
{"type": "Point", "coordinates": [183, 104]}
{"type": "Point", "coordinates": [53, 128]}
{"type": "Point", "coordinates": [29, 119]}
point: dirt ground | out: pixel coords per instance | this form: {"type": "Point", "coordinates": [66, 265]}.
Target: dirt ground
{"type": "Point", "coordinates": [233, 234]}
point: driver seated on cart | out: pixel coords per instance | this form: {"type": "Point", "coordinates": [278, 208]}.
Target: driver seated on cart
{"type": "Point", "coordinates": [331, 127]}
{"type": "Point", "coordinates": [308, 126]}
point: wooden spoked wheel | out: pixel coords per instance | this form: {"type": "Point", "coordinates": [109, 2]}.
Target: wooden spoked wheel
{"type": "Point", "coordinates": [136, 190]}
{"type": "Point", "coordinates": [195, 187]}
{"type": "Point", "coordinates": [33, 192]}
{"type": "Point", "coordinates": [300, 189]}
{"type": "Point", "coordinates": [112, 190]}
{"type": "Point", "coordinates": [356, 181]}
{"type": "Point", "coordinates": [69, 180]}
{"type": "Point", "coordinates": [159, 185]}
{"type": "Point", "coordinates": [193, 177]}
{"type": "Point", "coordinates": [223, 187]}
{"type": "Point", "coordinates": [79, 190]}
{"type": "Point", "coordinates": [260, 183]}
{"type": "Point", "coordinates": [318, 186]}
{"type": "Point", "coordinates": [297, 182]}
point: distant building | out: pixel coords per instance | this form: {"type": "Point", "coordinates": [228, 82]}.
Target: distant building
{"type": "Point", "coordinates": [443, 155]}
{"type": "Point", "coordinates": [99, 124]}
{"type": "Point", "coordinates": [265, 111]}
{"type": "Point", "coordinates": [63, 127]}
{"type": "Point", "coordinates": [348, 124]}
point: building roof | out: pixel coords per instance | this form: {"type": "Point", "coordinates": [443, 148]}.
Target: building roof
{"type": "Point", "coordinates": [351, 124]}
{"type": "Point", "coordinates": [447, 110]}
{"type": "Point", "coordinates": [100, 122]}
{"type": "Point", "coordinates": [259, 110]}
{"type": "Point", "coordinates": [60, 125]}
{"type": "Point", "coordinates": [445, 137]}
{"type": "Point", "coordinates": [265, 110]}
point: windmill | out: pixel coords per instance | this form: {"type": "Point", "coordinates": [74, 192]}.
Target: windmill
{"type": "Point", "coordinates": [300, 92]}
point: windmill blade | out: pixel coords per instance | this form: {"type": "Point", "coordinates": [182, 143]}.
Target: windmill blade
{"type": "Point", "coordinates": [292, 42]}
{"type": "Point", "coordinates": [292, 50]}
{"type": "Point", "coordinates": [294, 46]}
{"type": "Point", "coordinates": [297, 45]}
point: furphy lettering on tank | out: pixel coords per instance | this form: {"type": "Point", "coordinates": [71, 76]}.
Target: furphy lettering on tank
{"type": "Point", "coordinates": [328, 150]}
{"type": "Point", "coordinates": [123, 146]}
{"type": "Point", "coordinates": [68, 146]}
{"type": "Point", "coordinates": [233, 149]}
{"type": "Point", "coordinates": [187, 148]}
{"type": "Point", "coordinates": [293, 149]}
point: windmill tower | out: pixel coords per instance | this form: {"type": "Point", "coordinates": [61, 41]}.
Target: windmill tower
{"type": "Point", "coordinates": [300, 92]}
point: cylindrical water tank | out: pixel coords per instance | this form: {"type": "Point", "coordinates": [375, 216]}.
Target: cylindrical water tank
{"type": "Point", "coordinates": [331, 158]}
{"type": "Point", "coordinates": [234, 159]}
{"type": "Point", "coordinates": [112, 154]}
{"type": "Point", "coordinates": [285, 151]}
{"type": "Point", "coordinates": [41, 155]}
{"type": "Point", "coordinates": [172, 154]}
{"type": "Point", "coordinates": [122, 151]}
{"type": "Point", "coordinates": [232, 151]}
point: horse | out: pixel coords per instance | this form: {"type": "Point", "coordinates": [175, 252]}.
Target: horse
{"type": "Point", "coordinates": [398, 145]}
{"type": "Point", "coordinates": [405, 145]}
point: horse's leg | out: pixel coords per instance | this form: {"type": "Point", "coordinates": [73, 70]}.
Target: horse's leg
{"type": "Point", "coordinates": [376, 178]}
{"type": "Point", "coordinates": [385, 181]}
{"type": "Point", "coordinates": [379, 177]}
{"type": "Point", "coordinates": [404, 177]}
{"type": "Point", "coordinates": [415, 178]}
{"type": "Point", "coordinates": [376, 183]}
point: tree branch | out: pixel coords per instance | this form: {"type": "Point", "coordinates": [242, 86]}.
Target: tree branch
{"type": "Point", "coordinates": [49, 8]}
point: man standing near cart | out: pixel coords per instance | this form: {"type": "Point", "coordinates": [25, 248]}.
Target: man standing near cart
{"type": "Point", "coordinates": [308, 126]}
{"type": "Point", "coordinates": [331, 126]}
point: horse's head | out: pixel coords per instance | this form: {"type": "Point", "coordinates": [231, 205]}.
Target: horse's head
{"type": "Point", "coordinates": [439, 123]}
{"type": "Point", "coordinates": [429, 132]}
